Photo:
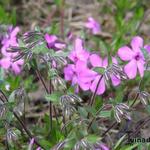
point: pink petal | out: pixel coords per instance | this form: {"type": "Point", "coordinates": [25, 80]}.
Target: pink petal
{"type": "Point", "coordinates": [125, 53]}
{"type": "Point", "coordinates": [5, 63]}
{"type": "Point", "coordinates": [88, 25]}
{"type": "Point", "coordinates": [137, 43]}
{"type": "Point", "coordinates": [81, 65]}
{"type": "Point", "coordinates": [104, 147]}
{"type": "Point", "coordinates": [20, 62]}
{"type": "Point", "coordinates": [50, 38]}
{"type": "Point", "coordinates": [74, 80]}
{"type": "Point", "coordinates": [72, 56]}
{"type": "Point", "coordinates": [95, 60]}
{"type": "Point", "coordinates": [69, 72]}
{"type": "Point", "coordinates": [84, 86]}
{"type": "Point", "coordinates": [115, 80]}
{"type": "Point", "coordinates": [140, 65]}
{"type": "Point", "coordinates": [78, 44]}
{"type": "Point", "coordinates": [87, 75]}
{"type": "Point", "coordinates": [60, 45]}
{"type": "Point", "coordinates": [15, 32]}
{"type": "Point", "coordinates": [96, 29]}
{"type": "Point", "coordinates": [114, 60]}
{"type": "Point", "coordinates": [105, 62]}
{"type": "Point", "coordinates": [16, 68]}
{"type": "Point", "coordinates": [101, 87]}
{"type": "Point", "coordinates": [131, 69]}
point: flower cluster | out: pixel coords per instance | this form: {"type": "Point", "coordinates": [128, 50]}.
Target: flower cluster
{"type": "Point", "coordinates": [81, 71]}
{"type": "Point", "coordinates": [10, 39]}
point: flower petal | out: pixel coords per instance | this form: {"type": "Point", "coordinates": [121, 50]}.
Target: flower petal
{"type": "Point", "coordinates": [140, 65]}
{"type": "Point", "coordinates": [131, 69]}
{"type": "Point", "coordinates": [105, 62]}
{"type": "Point", "coordinates": [50, 38]}
{"type": "Point", "coordinates": [125, 53]}
{"type": "Point", "coordinates": [5, 63]}
{"type": "Point", "coordinates": [16, 68]}
{"type": "Point", "coordinates": [78, 44]}
{"type": "Point", "coordinates": [84, 85]}
{"type": "Point", "coordinates": [137, 43]}
{"type": "Point", "coordinates": [114, 60]}
{"type": "Point", "coordinates": [95, 60]}
{"type": "Point", "coordinates": [69, 72]}
{"type": "Point", "coordinates": [115, 80]}
{"type": "Point", "coordinates": [101, 87]}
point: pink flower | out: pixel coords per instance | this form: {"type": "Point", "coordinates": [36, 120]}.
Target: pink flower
{"type": "Point", "coordinates": [7, 60]}
{"type": "Point", "coordinates": [6, 63]}
{"type": "Point", "coordinates": [135, 57]}
{"type": "Point", "coordinates": [79, 75]}
{"type": "Point", "coordinates": [9, 40]}
{"type": "Point", "coordinates": [96, 61]}
{"type": "Point", "coordinates": [53, 42]}
{"type": "Point", "coordinates": [93, 25]}
{"type": "Point", "coordinates": [78, 53]}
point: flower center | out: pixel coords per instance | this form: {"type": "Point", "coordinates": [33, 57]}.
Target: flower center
{"type": "Point", "coordinates": [137, 57]}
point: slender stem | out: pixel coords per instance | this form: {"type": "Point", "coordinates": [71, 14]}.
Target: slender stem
{"type": "Point", "coordinates": [94, 94]}
{"type": "Point", "coordinates": [48, 91]}
{"type": "Point", "coordinates": [50, 107]}
{"type": "Point", "coordinates": [55, 112]}
{"type": "Point", "coordinates": [136, 97]}
{"type": "Point", "coordinates": [41, 79]}
{"type": "Point", "coordinates": [114, 124]}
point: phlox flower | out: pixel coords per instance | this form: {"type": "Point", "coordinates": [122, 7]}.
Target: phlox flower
{"type": "Point", "coordinates": [79, 75]}
{"type": "Point", "coordinates": [9, 40]}
{"type": "Point", "coordinates": [97, 61]}
{"type": "Point", "coordinates": [53, 42]}
{"type": "Point", "coordinates": [135, 57]}
{"type": "Point", "coordinates": [78, 52]}
{"type": "Point", "coordinates": [6, 61]}
{"type": "Point", "coordinates": [93, 25]}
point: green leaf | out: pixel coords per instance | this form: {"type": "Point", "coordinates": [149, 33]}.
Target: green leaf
{"type": "Point", "coordinates": [93, 138]}
{"type": "Point", "coordinates": [118, 144]}
{"type": "Point", "coordinates": [58, 2]}
{"type": "Point", "coordinates": [130, 147]}
{"type": "Point", "coordinates": [83, 112]}
{"type": "Point", "coordinates": [54, 97]}
{"type": "Point", "coordinates": [99, 70]}
{"type": "Point", "coordinates": [40, 49]}
{"type": "Point", "coordinates": [105, 114]}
